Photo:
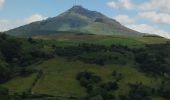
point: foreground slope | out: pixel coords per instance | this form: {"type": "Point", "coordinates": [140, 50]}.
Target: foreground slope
{"type": "Point", "coordinates": [59, 78]}
{"type": "Point", "coordinates": [114, 60]}
{"type": "Point", "coordinates": [77, 19]}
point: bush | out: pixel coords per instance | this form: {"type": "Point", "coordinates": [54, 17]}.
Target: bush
{"type": "Point", "coordinates": [152, 63]}
{"type": "Point", "coordinates": [11, 54]}
{"type": "Point", "coordinates": [96, 90]}
{"type": "Point", "coordinates": [117, 76]}
{"type": "Point", "coordinates": [98, 97]}
{"type": "Point", "coordinates": [4, 72]}
{"type": "Point", "coordinates": [88, 78]}
{"type": "Point", "coordinates": [164, 90]}
{"type": "Point", "coordinates": [4, 93]}
{"type": "Point", "coordinates": [138, 92]}
{"type": "Point", "coordinates": [110, 86]}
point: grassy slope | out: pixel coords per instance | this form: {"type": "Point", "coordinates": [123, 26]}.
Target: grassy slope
{"type": "Point", "coordinates": [59, 77]}
{"type": "Point", "coordinates": [20, 84]}
{"type": "Point", "coordinates": [62, 77]}
{"type": "Point", "coordinates": [66, 40]}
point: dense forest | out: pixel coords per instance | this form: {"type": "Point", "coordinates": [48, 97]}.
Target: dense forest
{"type": "Point", "coordinates": [16, 54]}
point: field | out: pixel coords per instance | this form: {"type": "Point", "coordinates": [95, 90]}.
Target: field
{"type": "Point", "coordinates": [72, 39]}
{"type": "Point", "coordinates": [59, 78]}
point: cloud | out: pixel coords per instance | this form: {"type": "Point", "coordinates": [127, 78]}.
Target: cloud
{"type": "Point", "coordinates": [35, 17]}
{"type": "Point", "coordinates": [156, 17]}
{"type": "Point", "coordinates": [120, 4]}
{"type": "Point", "coordinates": [3, 24]}
{"type": "Point", "coordinates": [8, 24]}
{"type": "Point", "coordinates": [124, 19]}
{"type": "Point", "coordinates": [149, 5]}
{"type": "Point", "coordinates": [157, 5]}
{"type": "Point", "coordinates": [155, 11]}
{"type": "Point", "coordinates": [2, 3]}
{"type": "Point", "coordinates": [4, 21]}
{"type": "Point", "coordinates": [144, 28]}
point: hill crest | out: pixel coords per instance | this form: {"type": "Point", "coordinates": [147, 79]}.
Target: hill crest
{"type": "Point", "coordinates": [75, 19]}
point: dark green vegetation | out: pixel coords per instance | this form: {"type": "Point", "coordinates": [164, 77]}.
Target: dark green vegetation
{"type": "Point", "coordinates": [95, 88]}
{"type": "Point", "coordinates": [76, 20]}
{"type": "Point", "coordinates": [84, 67]}
{"type": "Point", "coordinates": [16, 54]}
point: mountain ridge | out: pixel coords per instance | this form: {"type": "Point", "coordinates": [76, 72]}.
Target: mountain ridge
{"type": "Point", "coordinates": [76, 19]}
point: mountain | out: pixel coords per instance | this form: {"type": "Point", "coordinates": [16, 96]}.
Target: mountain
{"type": "Point", "coordinates": [75, 20]}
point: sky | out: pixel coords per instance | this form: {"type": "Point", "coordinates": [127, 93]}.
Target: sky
{"type": "Point", "coordinates": [146, 16]}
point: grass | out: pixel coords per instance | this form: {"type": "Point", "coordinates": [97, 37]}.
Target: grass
{"type": "Point", "coordinates": [153, 40]}
{"type": "Point", "coordinates": [121, 41]}
{"type": "Point", "coordinates": [59, 75]}
{"type": "Point", "coordinates": [59, 78]}
{"type": "Point", "coordinates": [72, 39]}
{"type": "Point", "coordinates": [20, 84]}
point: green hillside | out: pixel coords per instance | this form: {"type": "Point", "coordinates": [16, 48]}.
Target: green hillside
{"type": "Point", "coordinates": [59, 78]}
{"type": "Point", "coordinates": [76, 19]}
{"type": "Point", "coordinates": [84, 67]}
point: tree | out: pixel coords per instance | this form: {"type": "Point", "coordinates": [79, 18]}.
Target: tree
{"type": "Point", "coordinates": [138, 92]}
{"type": "Point", "coordinates": [98, 97]}
{"type": "Point", "coordinates": [87, 78]}
{"type": "Point", "coordinates": [11, 49]}
{"type": "Point", "coordinates": [110, 86]}
{"type": "Point", "coordinates": [152, 63]}
{"type": "Point", "coordinates": [4, 72]}
{"type": "Point", "coordinates": [4, 93]}
{"type": "Point", "coordinates": [164, 90]}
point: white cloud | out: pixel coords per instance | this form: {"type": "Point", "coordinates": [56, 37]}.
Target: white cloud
{"type": "Point", "coordinates": [8, 24]}
{"type": "Point", "coordinates": [156, 5]}
{"type": "Point", "coordinates": [156, 11]}
{"type": "Point", "coordinates": [149, 5]}
{"type": "Point", "coordinates": [35, 17]}
{"type": "Point", "coordinates": [4, 21]}
{"type": "Point", "coordinates": [1, 3]}
{"type": "Point", "coordinates": [124, 19]}
{"type": "Point", "coordinates": [3, 24]}
{"type": "Point", "coordinates": [156, 17]}
{"type": "Point", "coordinates": [144, 28]}
{"type": "Point", "coordinates": [112, 4]}
{"type": "Point", "coordinates": [121, 4]}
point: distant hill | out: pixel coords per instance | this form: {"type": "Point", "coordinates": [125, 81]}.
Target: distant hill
{"type": "Point", "coordinates": [77, 19]}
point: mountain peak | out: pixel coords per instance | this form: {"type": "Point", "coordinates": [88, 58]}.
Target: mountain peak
{"type": "Point", "coordinates": [77, 7]}
{"type": "Point", "coordinates": [76, 19]}
{"type": "Point", "coordinates": [85, 12]}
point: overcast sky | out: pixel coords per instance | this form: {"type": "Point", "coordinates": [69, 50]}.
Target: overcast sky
{"type": "Point", "coordinates": [148, 16]}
